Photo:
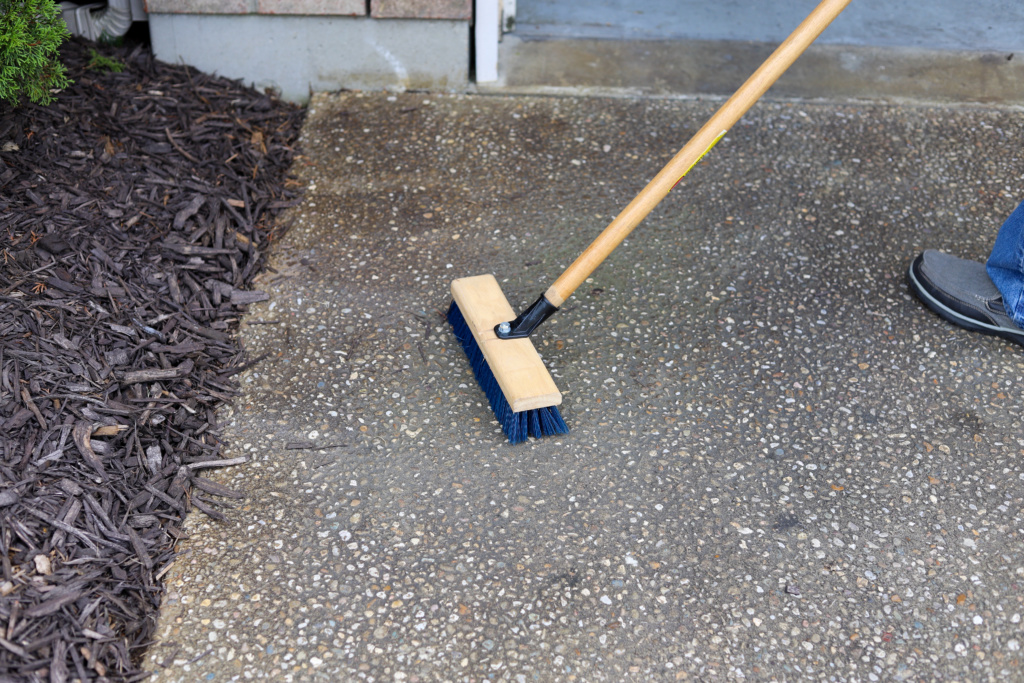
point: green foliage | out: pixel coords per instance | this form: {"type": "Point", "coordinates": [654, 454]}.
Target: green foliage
{"type": "Point", "coordinates": [31, 32]}
{"type": "Point", "coordinates": [98, 62]}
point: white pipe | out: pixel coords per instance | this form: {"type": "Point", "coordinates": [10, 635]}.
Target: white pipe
{"type": "Point", "coordinates": [487, 32]}
{"type": "Point", "coordinates": [96, 22]}
{"type": "Point", "coordinates": [115, 20]}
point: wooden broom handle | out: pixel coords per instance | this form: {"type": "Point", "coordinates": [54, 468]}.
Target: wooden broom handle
{"type": "Point", "coordinates": [699, 145]}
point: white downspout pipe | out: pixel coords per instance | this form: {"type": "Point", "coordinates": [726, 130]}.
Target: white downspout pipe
{"type": "Point", "coordinates": [115, 20]}
{"type": "Point", "coordinates": [96, 22]}
{"type": "Point", "coordinates": [487, 32]}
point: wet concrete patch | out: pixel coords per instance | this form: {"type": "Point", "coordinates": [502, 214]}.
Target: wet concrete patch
{"type": "Point", "coordinates": [780, 464]}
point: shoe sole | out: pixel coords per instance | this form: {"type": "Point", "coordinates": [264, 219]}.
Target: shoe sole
{"type": "Point", "coordinates": [958, 319]}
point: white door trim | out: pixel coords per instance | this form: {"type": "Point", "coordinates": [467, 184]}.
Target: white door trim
{"type": "Point", "coordinates": [487, 33]}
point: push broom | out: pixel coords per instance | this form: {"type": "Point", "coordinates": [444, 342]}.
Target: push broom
{"type": "Point", "coordinates": [506, 364]}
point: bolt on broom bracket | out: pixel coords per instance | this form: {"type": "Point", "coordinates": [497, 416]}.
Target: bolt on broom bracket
{"type": "Point", "coordinates": [528, 320]}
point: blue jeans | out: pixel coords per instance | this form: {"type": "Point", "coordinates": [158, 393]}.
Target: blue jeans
{"type": "Point", "coordinates": [1006, 264]}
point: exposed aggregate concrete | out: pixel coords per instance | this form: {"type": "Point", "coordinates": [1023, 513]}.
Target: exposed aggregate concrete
{"type": "Point", "coordinates": [781, 466]}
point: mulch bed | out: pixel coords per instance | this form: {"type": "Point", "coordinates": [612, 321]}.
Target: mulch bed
{"type": "Point", "coordinates": [134, 213]}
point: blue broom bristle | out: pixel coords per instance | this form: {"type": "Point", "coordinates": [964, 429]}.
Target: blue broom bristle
{"type": "Point", "coordinates": [517, 426]}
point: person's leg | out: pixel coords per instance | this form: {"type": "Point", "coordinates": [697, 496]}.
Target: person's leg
{"type": "Point", "coordinates": [1006, 265]}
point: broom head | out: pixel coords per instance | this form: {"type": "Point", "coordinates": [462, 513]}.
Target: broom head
{"type": "Point", "coordinates": [521, 392]}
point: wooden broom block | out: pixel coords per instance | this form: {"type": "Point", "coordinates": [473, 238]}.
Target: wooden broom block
{"type": "Point", "coordinates": [516, 365]}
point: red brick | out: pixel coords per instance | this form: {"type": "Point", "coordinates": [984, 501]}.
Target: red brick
{"type": "Point", "coordinates": [314, 7]}
{"type": "Point", "coordinates": [422, 9]}
{"type": "Point", "coordinates": [311, 7]}
{"type": "Point", "coordinates": [197, 6]}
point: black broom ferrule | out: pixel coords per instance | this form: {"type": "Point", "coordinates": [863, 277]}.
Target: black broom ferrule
{"type": "Point", "coordinates": [528, 320]}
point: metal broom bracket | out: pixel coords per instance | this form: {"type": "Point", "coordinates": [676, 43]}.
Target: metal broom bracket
{"type": "Point", "coordinates": [527, 321]}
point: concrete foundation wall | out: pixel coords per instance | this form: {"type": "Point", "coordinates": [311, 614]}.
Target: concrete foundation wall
{"type": "Point", "coordinates": [295, 54]}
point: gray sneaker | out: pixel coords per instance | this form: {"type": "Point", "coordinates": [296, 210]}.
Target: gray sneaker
{"type": "Point", "coordinates": [961, 292]}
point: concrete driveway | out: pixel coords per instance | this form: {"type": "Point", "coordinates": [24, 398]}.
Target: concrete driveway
{"type": "Point", "coordinates": [781, 466]}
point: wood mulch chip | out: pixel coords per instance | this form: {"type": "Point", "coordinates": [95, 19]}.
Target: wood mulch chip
{"type": "Point", "coordinates": [134, 213]}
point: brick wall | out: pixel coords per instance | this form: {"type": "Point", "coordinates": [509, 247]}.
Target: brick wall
{"type": "Point", "coordinates": [296, 47]}
{"type": "Point", "coordinates": [379, 9]}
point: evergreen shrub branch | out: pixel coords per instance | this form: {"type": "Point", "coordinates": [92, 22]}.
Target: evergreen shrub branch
{"type": "Point", "coordinates": [31, 32]}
